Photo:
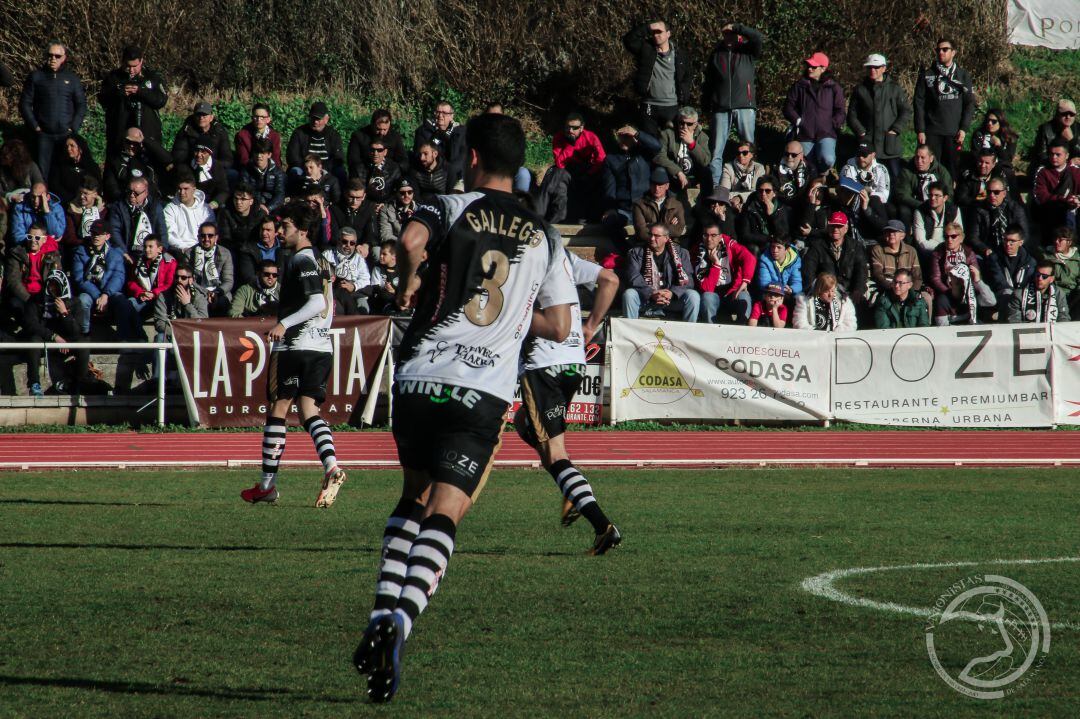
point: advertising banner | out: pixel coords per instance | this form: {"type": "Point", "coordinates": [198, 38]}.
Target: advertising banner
{"type": "Point", "coordinates": [1045, 23]}
{"type": "Point", "coordinates": [586, 407]}
{"type": "Point", "coordinates": [962, 376]}
{"type": "Point", "coordinates": [1066, 372]}
{"type": "Point", "coordinates": [678, 370]}
{"type": "Point", "coordinates": [222, 365]}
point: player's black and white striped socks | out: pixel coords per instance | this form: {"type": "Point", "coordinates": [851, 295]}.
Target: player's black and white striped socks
{"type": "Point", "coordinates": [577, 490]}
{"type": "Point", "coordinates": [324, 441]}
{"type": "Point", "coordinates": [398, 537]}
{"type": "Point", "coordinates": [428, 558]}
{"type": "Point", "coordinates": [273, 447]}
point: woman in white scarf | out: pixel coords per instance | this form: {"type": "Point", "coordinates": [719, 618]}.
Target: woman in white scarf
{"type": "Point", "coordinates": [824, 308]}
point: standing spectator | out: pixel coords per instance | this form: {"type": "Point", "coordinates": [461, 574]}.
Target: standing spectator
{"type": "Point", "coordinates": [18, 173]}
{"type": "Point", "coordinates": [258, 129]}
{"type": "Point", "coordinates": [1040, 300]}
{"type": "Point", "coordinates": [779, 265]}
{"type": "Point", "coordinates": [98, 273]}
{"type": "Point", "coordinates": [659, 206]}
{"type": "Point", "coordinates": [39, 206]}
{"type": "Point", "coordinates": [71, 166]}
{"type": "Point", "coordinates": [570, 187]}
{"type": "Point", "coordinates": [1057, 192]}
{"type": "Point", "coordinates": [900, 305]}
{"type": "Point", "coordinates": [82, 212]}
{"type": "Point", "coordinates": [1066, 266]}
{"type": "Point", "coordinates": [266, 247]}
{"type": "Point", "coordinates": [944, 105]}
{"type": "Point", "coordinates": [956, 280]}
{"type": "Point", "coordinates": [770, 309]}
{"type": "Point", "coordinates": [933, 216]}
{"type": "Point", "coordinates": [318, 137]}
{"type": "Point", "coordinates": [429, 174]}
{"type": "Point", "coordinates": [825, 308]}
{"type": "Point", "coordinates": [1062, 129]}
{"type": "Point", "coordinates": [265, 177]}
{"type": "Point", "coordinates": [793, 175]}
{"type": "Point", "coordinates": [1009, 269]}
{"type": "Point", "coordinates": [137, 157]}
{"type": "Point", "coordinates": [239, 222]}
{"type": "Point", "coordinates": [868, 172]}
{"type": "Point", "coordinates": [447, 136]}
{"type": "Point", "coordinates": [993, 216]}
{"type": "Point", "coordinates": [723, 270]}
{"type": "Point", "coordinates": [626, 175]}
{"type": "Point", "coordinates": [185, 213]}
{"type": "Point", "coordinates": [659, 281]}
{"type": "Point", "coordinates": [839, 255]}
{"type": "Point", "coordinates": [763, 217]}
{"type": "Point", "coordinates": [358, 213]}
{"type": "Point", "coordinates": [210, 177]}
{"type": "Point", "coordinates": [314, 172]}
{"type": "Point", "coordinates": [202, 128]}
{"type": "Point", "coordinates": [662, 74]}
{"type": "Point", "coordinates": [53, 104]}
{"type": "Point", "coordinates": [185, 300]}
{"type": "Point", "coordinates": [741, 175]}
{"type": "Point", "coordinates": [259, 297]}
{"type": "Point", "coordinates": [135, 218]}
{"type": "Point", "coordinates": [878, 112]}
{"type": "Point", "coordinates": [815, 108]}
{"type": "Point", "coordinates": [381, 127]}
{"type": "Point", "coordinates": [394, 214]}
{"type": "Point", "coordinates": [212, 267]}
{"type": "Point", "coordinates": [351, 276]}
{"type": "Point", "coordinates": [891, 256]}
{"type": "Point", "coordinates": [913, 187]}
{"type": "Point", "coordinates": [684, 152]}
{"type": "Point", "coordinates": [730, 91]}
{"type": "Point", "coordinates": [379, 174]}
{"type": "Point", "coordinates": [131, 96]}
{"type": "Point", "coordinates": [997, 134]}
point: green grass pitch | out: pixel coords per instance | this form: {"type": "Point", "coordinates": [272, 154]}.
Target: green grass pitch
{"type": "Point", "coordinates": [137, 594]}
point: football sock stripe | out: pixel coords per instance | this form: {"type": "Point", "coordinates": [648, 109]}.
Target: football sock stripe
{"type": "Point", "coordinates": [430, 554]}
{"type": "Point", "coordinates": [273, 447]}
{"type": "Point", "coordinates": [578, 491]}
{"type": "Point", "coordinates": [323, 439]}
{"type": "Point", "coordinates": [401, 529]}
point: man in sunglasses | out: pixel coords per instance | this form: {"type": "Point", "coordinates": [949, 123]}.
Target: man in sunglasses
{"type": "Point", "coordinates": [351, 275]}
{"type": "Point", "coordinates": [662, 76]}
{"type": "Point", "coordinates": [1040, 300]}
{"type": "Point", "coordinates": [571, 186]}
{"type": "Point", "coordinates": [994, 215]}
{"type": "Point", "coordinates": [1009, 268]}
{"type": "Point", "coordinates": [944, 104]}
{"type": "Point", "coordinates": [134, 218]}
{"type": "Point", "coordinates": [1061, 127]}
{"type": "Point", "coordinates": [213, 269]}
{"type": "Point", "coordinates": [394, 214]}
{"type": "Point", "coordinates": [53, 104]}
{"type": "Point", "coordinates": [136, 157]}
{"type": "Point", "coordinates": [260, 296]}
{"type": "Point", "coordinates": [184, 301]}
{"type": "Point", "coordinates": [38, 206]}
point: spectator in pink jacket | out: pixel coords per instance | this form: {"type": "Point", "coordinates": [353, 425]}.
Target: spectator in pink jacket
{"type": "Point", "coordinates": [571, 186]}
{"type": "Point", "coordinates": [723, 270]}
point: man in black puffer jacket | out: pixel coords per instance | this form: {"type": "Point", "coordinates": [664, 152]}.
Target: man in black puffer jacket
{"type": "Point", "coordinates": [53, 104]}
{"type": "Point", "coordinates": [662, 75]}
{"type": "Point", "coordinates": [202, 128]}
{"type": "Point", "coordinates": [944, 105]}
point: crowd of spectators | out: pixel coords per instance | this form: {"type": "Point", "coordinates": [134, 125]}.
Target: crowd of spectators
{"type": "Point", "coordinates": [706, 226]}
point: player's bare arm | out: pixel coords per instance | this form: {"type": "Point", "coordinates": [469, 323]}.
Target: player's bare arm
{"type": "Point", "coordinates": [551, 323]}
{"type": "Point", "coordinates": [411, 246]}
{"type": "Point", "coordinates": [607, 287]}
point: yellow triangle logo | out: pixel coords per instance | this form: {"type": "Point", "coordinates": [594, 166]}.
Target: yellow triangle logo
{"type": "Point", "coordinates": [661, 372]}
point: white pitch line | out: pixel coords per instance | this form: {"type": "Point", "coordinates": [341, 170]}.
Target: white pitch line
{"type": "Point", "coordinates": [822, 586]}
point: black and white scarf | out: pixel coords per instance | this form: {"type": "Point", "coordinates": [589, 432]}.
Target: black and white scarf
{"type": "Point", "coordinates": [146, 273]}
{"type": "Point", "coordinates": [652, 272]}
{"type": "Point", "coordinates": [89, 214]}
{"type": "Point", "coordinates": [206, 266]}
{"type": "Point", "coordinates": [962, 272]}
{"type": "Point", "coordinates": [202, 172]}
{"type": "Point", "coordinates": [944, 82]}
{"type": "Point", "coordinates": [1039, 307]}
{"type": "Point", "coordinates": [267, 295]}
{"type": "Point", "coordinates": [95, 268]}
{"type": "Point", "coordinates": [140, 226]}
{"type": "Point", "coordinates": [743, 180]}
{"type": "Point", "coordinates": [346, 267]}
{"type": "Point", "coordinates": [59, 279]}
{"type": "Point", "coordinates": [999, 220]}
{"type": "Point", "coordinates": [827, 314]}
{"type": "Point", "coordinates": [702, 263]}
{"type": "Point", "coordinates": [792, 180]}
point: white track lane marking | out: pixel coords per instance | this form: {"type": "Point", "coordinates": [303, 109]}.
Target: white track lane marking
{"type": "Point", "coordinates": [822, 585]}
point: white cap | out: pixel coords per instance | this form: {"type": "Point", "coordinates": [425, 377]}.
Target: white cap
{"type": "Point", "coordinates": [875, 60]}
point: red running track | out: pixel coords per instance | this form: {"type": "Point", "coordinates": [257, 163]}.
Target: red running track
{"type": "Point", "coordinates": [597, 449]}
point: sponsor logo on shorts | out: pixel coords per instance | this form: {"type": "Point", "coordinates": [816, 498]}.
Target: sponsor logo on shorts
{"type": "Point", "coordinates": [556, 412]}
{"type": "Point", "coordinates": [459, 463]}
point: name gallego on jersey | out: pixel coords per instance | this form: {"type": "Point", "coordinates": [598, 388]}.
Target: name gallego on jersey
{"type": "Point", "coordinates": [499, 224]}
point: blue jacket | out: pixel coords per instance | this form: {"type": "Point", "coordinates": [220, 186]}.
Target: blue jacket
{"type": "Point", "coordinates": [112, 283]}
{"type": "Point", "coordinates": [53, 101]}
{"type": "Point", "coordinates": [120, 227]}
{"type": "Point", "coordinates": [23, 215]}
{"type": "Point", "coordinates": [769, 273]}
{"type": "Point", "coordinates": [625, 176]}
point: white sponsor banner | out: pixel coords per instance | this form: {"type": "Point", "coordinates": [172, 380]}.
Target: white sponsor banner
{"type": "Point", "coordinates": [679, 370]}
{"type": "Point", "coordinates": [1066, 371]}
{"type": "Point", "coordinates": [1045, 23]}
{"type": "Point", "coordinates": [963, 376]}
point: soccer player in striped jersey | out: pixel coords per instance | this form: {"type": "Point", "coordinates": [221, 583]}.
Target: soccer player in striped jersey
{"type": "Point", "coordinates": [493, 276]}
{"type": "Point", "coordinates": [300, 359]}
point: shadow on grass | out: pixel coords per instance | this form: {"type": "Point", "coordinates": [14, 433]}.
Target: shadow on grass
{"type": "Point", "coordinates": [78, 502]}
{"type": "Point", "coordinates": [178, 689]}
{"type": "Point", "coordinates": [255, 548]}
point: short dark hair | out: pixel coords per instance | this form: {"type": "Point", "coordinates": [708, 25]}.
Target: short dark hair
{"type": "Point", "coordinates": [89, 182]}
{"type": "Point", "coordinates": [946, 38]}
{"type": "Point", "coordinates": [312, 157]}
{"type": "Point", "coordinates": [926, 147]}
{"type": "Point", "coordinates": [210, 224]}
{"type": "Point", "coordinates": [262, 146]}
{"type": "Point", "coordinates": [153, 237]}
{"type": "Point", "coordinates": [710, 223]}
{"type": "Point", "coordinates": [356, 184]}
{"type": "Point", "coordinates": [1044, 263]}
{"type": "Point", "coordinates": [499, 142]}
{"type": "Point", "coordinates": [937, 185]}
{"type": "Point", "coordinates": [183, 264]}
{"type": "Point", "coordinates": [260, 106]}
{"type": "Point", "coordinates": [1014, 228]}
{"type": "Point", "coordinates": [183, 175]}
{"type": "Point", "coordinates": [38, 226]}
{"type": "Point", "coordinates": [1057, 142]}
{"type": "Point", "coordinates": [1063, 232]}
{"type": "Point", "coordinates": [426, 143]}
{"type": "Point", "coordinates": [267, 264]}
{"type": "Point", "coordinates": [244, 188]}
{"type": "Point", "coordinates": [388, 243]}
{"type": "Point", "coordinates": [570, 117]}
{"type": "Point", "coordinates": [301, 214]}
{"type": "Point", "coordinates": [379, 114]}
{"type": "Point", "coordinates": [766, 180]}
{"type": "Point", "coordinates": [902, 271]}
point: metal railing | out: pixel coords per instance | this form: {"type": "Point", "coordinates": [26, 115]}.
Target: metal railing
{"type": "Point", "coordinates": [159, 348]}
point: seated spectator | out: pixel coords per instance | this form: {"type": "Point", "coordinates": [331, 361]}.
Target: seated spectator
{"type": "Point", "coordinates": [213, 270]}
{"type": "Point", "coordinates": [723, 270]}
{"type": "Point", "coordinates": [138, 158]}
{"type": "Point", "coordinates": [18, 171]}
{"type": "Point", "coordinates": [973, 185]}
{"type": "Point", "coordinates": [993, 216]}
{"type": "Point", "coordinates": [358, 213]}
{"type": "Point", "coordinates": [816, 109]}
{"type": "Point", "coordinates": [763, 217]}
{"type": "Point", "coordinates": [83, 211]}
{"type": "Point", "coordinates": [38, 206]}
{"type": "Point", "coordinates": [265, 177]}
{"type": "Point", "coordinates": [825, 308]}
{"type": "Point", "coordinates": [54, 316]}
{"type": "Point", "coordinates": [956, 280]}
{"type": "Point", "coordinates": [266, 247]}
{"type": "Point", "coordinates": [1056, 197]}
{"type": "Point", "coordinates": [892, 255]}
{"type": "Point", "coordinates": [133, 219]}
{"type": "Point", "coordinates": [1040, 300]}
{"type": "Point", "coordinates": [379, 174]}
{"type": "Point", "coordinates": [659, 282]}
{"type": "Point", "coordinates": [839, 255]}
{"type": "Point", "coordinates": [384, 280]}
{"type": "Point", "coordinates": [779, 265]}
{"type": "Point", "coordinates": [240, 221]}
{"type": "Point", "coordinates": [913, 186]}
{"type": "Point", "coordinates": [770, 309]}
{"type": "Point", "coordinates": [381, 128]}
{"type": "Point", "coordinates": [70, 167]}
{"type": "Point", "coordinates": [260, 296]}
{"type": "Point", "coordinates": [429, 174]}
{"type": "Point", "coordinates": [98, 273]}
{"type": "Point", "coordinates": [314, 173]}
{"type": "Point", "coordinates": [572, 185]}
{"type": "Point", "coordinates": [185, 213]}
{"type": "Point", "coordinates": [1066, 266]}
{"type": "Point", "coordinates": [740, 176]}
{"type": "Point", "coordinates": [1061, 129]}
{"type": "Point", "coordinates": [793, 175]}
{"type": "Point", "coordinates": [318, 137]}
{"type": "Point", "coordinates": [447, 136]}
{"type": "Point", "coordinates": [210, 177]}
{"type": "Point", "coordinates": [186, 300]}
{"type": "Point", "coordinates": [684, 152]}
{"type": "Point", "coordinates": [202, 128]}
{"type": "Point", "coordinates": [625, 177]}
{"type": "Point", "coordinates": [715, 208]}
{"type": "Point", "coordinates": [997, 134]}
{"type": "Point", "coordinates": [899, 305]}
{"type": "Point", "coordinates": [258, 129]}
{"type": "Point", "coordinates": [866, 215]}
{"type": "Point", "coordinates": [868, 172]}
{"type": "Point", "coordinates": [933, 216]}
{"type": "Point", "coordinates": [1009, 268]}
{"type": "Point", "coordinates": [329, 231]}
{"type": "Point", "coordinates": [813, 220]}
{"type": "Point", "coordinates": [659, 205]}
{"type": "Point", "coordinates": [394, 214]}
{"type": "Point", "coordinates": [351, 276]}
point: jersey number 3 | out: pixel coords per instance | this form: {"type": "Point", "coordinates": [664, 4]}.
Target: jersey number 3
{"type": "Point", "coordinates": [485, 306]}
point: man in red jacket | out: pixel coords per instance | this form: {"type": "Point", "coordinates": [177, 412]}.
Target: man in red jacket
{"type": "Point", "coordinates": [571, 186]}
{"type": "Point", "coordinates": [1057, 191]}
{"type": "Point", "coordinates": [723, 270]}
{"type": "Point", "coordinates": [149, 277]}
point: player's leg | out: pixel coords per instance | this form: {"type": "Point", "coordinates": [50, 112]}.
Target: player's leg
{"type": "Point", "coordinates": [578, 494]}
{"type": "Point", "coordinates": [273, 442]}
{"type": "Point", "coordinates": [402, 526]}
{"type": "Point", "coordinates": [311, 393]}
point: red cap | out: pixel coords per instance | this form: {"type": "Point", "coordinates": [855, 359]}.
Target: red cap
{"type": "Point", "coordinates": [838, 218]}
{"type": "Point", "coordinates": [818, 59]}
